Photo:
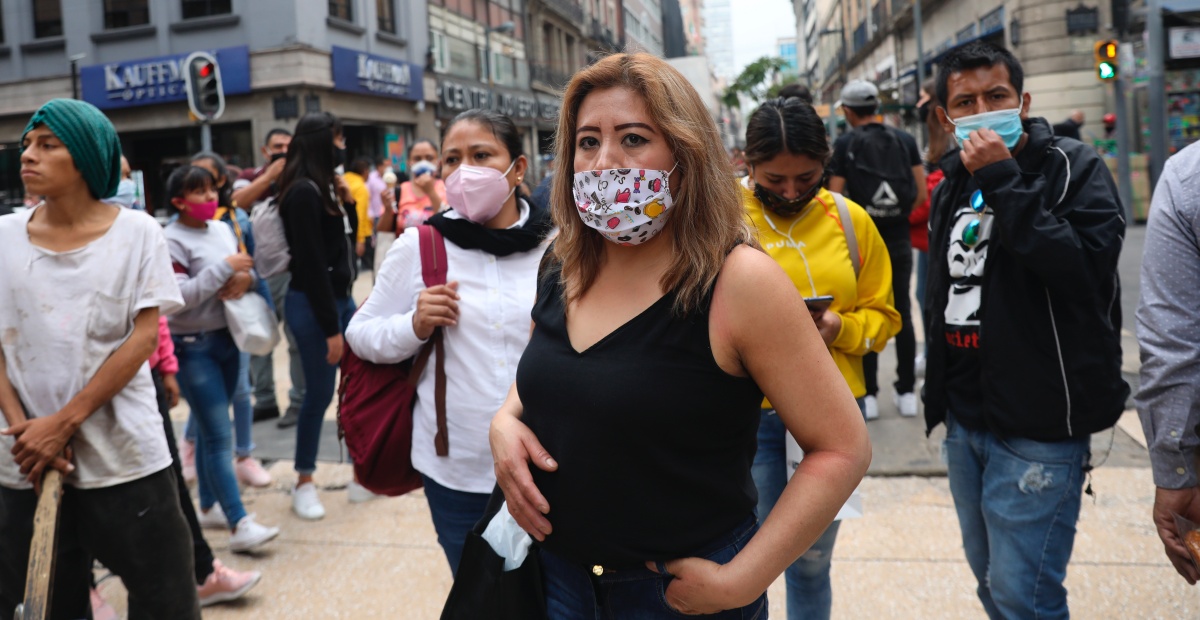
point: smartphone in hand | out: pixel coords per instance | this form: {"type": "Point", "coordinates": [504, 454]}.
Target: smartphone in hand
{"type": "Point", "coordinates": [817, 305]}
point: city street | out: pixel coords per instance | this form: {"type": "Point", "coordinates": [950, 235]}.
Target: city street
{"type": "Point", "coordinates": [903, 559]}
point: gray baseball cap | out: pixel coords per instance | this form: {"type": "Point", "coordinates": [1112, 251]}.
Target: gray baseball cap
{"type": "Point", "coordinates": [859, 93]}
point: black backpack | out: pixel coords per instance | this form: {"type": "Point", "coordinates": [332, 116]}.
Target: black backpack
{"type": "Point", "coordinates": [878, 176]}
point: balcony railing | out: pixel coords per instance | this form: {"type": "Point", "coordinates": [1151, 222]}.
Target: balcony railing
{"type": "Point", "coordinates": [604, 36]}
{"type": "Point", "coordinates": [567, 9]}
{"type": "Point", "coordinates": [549, 75]}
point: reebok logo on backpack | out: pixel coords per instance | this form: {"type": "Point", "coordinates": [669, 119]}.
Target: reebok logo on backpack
{"type": "Point", "coordinates": [878, 175]}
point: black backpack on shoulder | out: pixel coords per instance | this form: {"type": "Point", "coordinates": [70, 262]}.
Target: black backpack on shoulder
{"type": "Point", "coordinates": [878, 176]}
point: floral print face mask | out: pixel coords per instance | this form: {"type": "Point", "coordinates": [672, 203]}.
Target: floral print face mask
{"type": "Point", "coordinates": [627, 206]}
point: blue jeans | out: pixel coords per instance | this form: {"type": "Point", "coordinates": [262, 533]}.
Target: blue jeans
{"type": "Point", "coordinates": [574, 593]}
{"type": "Point", "coordinates": [454, 514]}
{"type": "Point", "coordinates": [319, 376]}
{"type": "Point", "coordinates": [243, 415]}
{"type": "Point", "coordinates": [809, 594]}
{"type": "Point", "coordinates": [208, 377]}
{"type": "Point", "coordinates": [1017, 502]}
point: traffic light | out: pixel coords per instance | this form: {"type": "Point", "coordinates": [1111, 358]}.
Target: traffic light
{"type": "Point", "coordinates": [202, 75]}
{"type": "Point", "coordinates": [1106, 59]}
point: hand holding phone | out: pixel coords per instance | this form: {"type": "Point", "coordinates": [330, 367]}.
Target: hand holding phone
{"type": "Point", "coordinates": [817, 305]}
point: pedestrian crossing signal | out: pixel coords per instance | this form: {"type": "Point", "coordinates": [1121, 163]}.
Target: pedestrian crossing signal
{"type": "Point", "coordinates": [1106, 59]}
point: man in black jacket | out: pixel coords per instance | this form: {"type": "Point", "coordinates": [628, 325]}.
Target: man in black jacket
{"type": "Point", "coordinates": [1024, 322]}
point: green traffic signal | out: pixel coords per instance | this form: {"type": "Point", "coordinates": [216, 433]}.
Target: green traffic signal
{"type": "Point", "coordinates": [1106, 70]}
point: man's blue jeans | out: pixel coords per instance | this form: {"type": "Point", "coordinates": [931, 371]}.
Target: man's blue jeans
{"type": "Point", "coordinates": [208, 376]}
{"type": "Point", "coordinates": [454, 514]}
{"type": "Point", "coordinates": [1017, 502]}
{"type": "Point", "coordinates": [319, 376]}
{"type": "Point", "coordinates": [809, 594]}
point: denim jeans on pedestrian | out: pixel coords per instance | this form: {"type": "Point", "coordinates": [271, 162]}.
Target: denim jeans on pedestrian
{"type": "Point", "coordinates": [922, 274]}
{"type": "Point", "coordinates": [135, 529]}
{"type": "Point", "coordinates": [243, 415]}
{"type": "Point", "coordinates": [208, 377]}
{"type": "Point", "coordinates": [636, 593]}
{"type": "Point", "coordinates": [1017, 502]}
{"type": "Point", "coordinates": [454, 514]}
{"type": "Point", "coordinates": [900, 250]}
{"type": "Point", "coordinates": [319, 376]}
{"type": "Point", "coordinates": [262, 367]}
{"type": "Point", "coordinates": [809, 594]}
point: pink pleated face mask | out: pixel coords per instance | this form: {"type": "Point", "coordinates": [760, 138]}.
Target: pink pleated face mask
{"type": "Point", "coordinates": [478, 192]}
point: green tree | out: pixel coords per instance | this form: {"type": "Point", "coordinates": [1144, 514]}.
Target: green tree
{"type": "Point", "coordinates": [755, 82]}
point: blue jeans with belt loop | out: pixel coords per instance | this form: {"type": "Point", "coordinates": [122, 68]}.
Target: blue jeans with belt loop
{"type": "Point", "coordinates": [573, 592]}
{"type": "Point", "coordinates": [1017, 501]}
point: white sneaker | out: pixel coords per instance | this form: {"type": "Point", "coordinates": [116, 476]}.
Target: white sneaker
{"type": "Point", "coordinates": [306, 504]}
{"type": "Point", "coordinates": [358, 494]}
{"type": "Point", "coordinates": [250, 534]}
{"type": "Point", "coordinates": [907, 404]}
{"type": "Point", "coordinates": [871, 408]}
{"type": "Point", "coordinates": [919, 366]}
{"type": "Point", "coordinates": [214, 519]}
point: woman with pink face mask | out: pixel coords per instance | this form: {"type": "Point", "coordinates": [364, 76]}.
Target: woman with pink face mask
{"type": "Point", "coordinates": [494, 241]}
{"type": "Point", "coordinates": [210, 269]}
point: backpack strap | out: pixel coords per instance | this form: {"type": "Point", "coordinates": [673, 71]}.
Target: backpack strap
{"type": "Point", "coordinates": [848, 230]}
{"type": "Point", "coordinates": [433, 272]}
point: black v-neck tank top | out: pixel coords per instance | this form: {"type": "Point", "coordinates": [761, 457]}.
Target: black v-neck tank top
{"type": "Point", "coordinates": [654, 441]}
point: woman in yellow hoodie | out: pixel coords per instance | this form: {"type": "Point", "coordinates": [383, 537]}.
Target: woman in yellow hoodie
{"type": "Point", "coordinates": [802, 226]}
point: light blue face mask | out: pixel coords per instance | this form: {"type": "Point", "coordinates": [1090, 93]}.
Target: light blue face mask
{"type": "Point", "coordinates": [1006, 123]}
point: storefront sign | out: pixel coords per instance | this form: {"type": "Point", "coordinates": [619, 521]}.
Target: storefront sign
{"type": "Point", "coordinates": [158, 80]}
{"type": "Point", "coordinates": [370, 74]}
{"type": "Point", "coordinates": [548, 108]}
{"type": "Point", "coordinates": [456, 97]}
{"type": "Point", "coordinates": [1185, 43]}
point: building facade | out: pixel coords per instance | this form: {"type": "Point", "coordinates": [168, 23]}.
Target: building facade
{"type": "Point", "coordinates": [360, 59]}
{"type": "Point", "coordinates": [692, 14]}
{"type": "Point", "coordinates": [643, 24]}
{"type": "Point", "coordinates": [718, 37]}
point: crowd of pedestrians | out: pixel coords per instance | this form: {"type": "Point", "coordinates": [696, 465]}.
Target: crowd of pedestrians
{"type": "Point", "coordinates": [635, 331]}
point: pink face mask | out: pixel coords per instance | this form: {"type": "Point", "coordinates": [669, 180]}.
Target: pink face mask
{"type": "Point", "coordinates": [478, 192]}
{"type": "Point", "coordinates": [202, 211]}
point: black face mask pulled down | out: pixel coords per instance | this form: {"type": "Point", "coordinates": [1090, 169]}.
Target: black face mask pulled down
{"type": "Point", "coordinates": [782, 206]}
{"type": "Point", "coordinates": [339, 157]}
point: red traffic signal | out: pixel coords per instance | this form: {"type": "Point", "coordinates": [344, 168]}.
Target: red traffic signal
{"type": "Point", "coordinates": [206, 70]}
{"type": "Point", "coordinates": [202, 79]}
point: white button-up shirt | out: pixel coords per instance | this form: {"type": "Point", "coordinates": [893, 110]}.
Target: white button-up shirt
{"type": "Point", "coordinates": [496, 295]}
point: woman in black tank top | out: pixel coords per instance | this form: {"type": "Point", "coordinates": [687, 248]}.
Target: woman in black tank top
{"type": "Point", "coordinates": [658, 329]}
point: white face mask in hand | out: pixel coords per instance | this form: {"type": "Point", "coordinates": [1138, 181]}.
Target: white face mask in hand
{"type": "Point", "coordinates": [627, 206]}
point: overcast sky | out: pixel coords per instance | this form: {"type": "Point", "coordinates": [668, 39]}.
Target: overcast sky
{"type": "Point", "coordinates": [756, 25]}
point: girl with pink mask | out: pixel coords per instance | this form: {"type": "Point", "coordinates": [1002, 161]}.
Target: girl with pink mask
{"type": "Point", "coordinates": [209, 270]}
{"type": "Point", "coordinates": [494, 242]}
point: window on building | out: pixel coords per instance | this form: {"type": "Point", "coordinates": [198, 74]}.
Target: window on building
{"type": "Point", "coordinates": [47, 18]}
{"type": "Point", "coordinates": [385, 12]}
{"type": "Point", "coordinates": [125, 13]}
{"type": "Point", "coordinates": [1, 26]}
{"type": "Point", "coordinates": [206, 8]}
{"type": "Point", "coordinates": [341, 9]}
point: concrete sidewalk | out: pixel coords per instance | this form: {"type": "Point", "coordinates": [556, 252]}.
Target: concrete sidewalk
{"type": "Point", "coordinates": [902, 560]}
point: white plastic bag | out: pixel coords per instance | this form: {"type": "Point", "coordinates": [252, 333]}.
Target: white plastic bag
{"type": "Point", "coordinates": [507, 539]}
{"type": "Point", "coordinates": [252, 324]}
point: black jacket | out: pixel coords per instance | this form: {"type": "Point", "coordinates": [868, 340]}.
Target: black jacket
{"type": "Point", "coordinates": [1050, 313]}
{"type": "Point", "coordinates": [323, 260]}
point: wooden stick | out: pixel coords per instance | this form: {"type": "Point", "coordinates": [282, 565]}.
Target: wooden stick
{"type": "Point", "coordinates": [39, 579]}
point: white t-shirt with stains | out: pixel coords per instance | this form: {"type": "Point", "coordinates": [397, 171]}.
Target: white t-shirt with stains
{"type": "Point", "coordinates": [62, 314]}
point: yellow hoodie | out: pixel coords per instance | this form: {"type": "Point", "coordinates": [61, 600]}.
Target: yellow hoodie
{"type": "Point", "coordinates": [811, 248]}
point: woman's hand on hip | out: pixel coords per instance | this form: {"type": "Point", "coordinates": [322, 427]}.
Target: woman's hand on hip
{"type": "Point", "coordinates": [513, 446]}
{"type": "Point", "coordinates": [701, 586]}
{"type": "Point", "coordinates": [437, 306]}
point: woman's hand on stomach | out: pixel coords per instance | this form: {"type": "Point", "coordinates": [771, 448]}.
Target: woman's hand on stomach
{"type": "Point", "coordinates": [513, 446]}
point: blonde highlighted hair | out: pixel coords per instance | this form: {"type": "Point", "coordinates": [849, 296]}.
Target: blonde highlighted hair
{"type": "Point", "coordinates": [707, 219]}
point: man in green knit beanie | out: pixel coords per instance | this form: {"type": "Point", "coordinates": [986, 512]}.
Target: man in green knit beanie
{"type": "Point", "coordinates": [80, 297]}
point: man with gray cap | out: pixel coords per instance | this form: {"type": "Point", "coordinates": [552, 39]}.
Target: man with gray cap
{"type": "Point", "coordinates": [880, 168]}
{"type": "Point", "coordinates": [80, 293]}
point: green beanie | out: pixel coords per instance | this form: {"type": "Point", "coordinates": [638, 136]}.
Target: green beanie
{"type": "Point", "coordinates": [90, 138]}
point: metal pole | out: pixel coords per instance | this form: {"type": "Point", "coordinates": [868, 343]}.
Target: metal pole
{"type": "Point", "coordinates": [205, 136]}
{"type": "Point", "coordinates": [487, 63]}
{"type": "Point", "coordinates": [918, 29]}
{"type": "Point", "coordinates": [1158, 89]}
{"type": "Point", "coordinates": [74, 79]}
{"type": "Point", "coordinates": [1124, 177]}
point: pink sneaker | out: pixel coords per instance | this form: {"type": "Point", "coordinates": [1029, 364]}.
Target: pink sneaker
{"type": "Point", "coordinates": [226, 584]}
{"type": "Point", "coordinates": [251, 473]}
{"type": "Point", "coordinates": [187, 458]}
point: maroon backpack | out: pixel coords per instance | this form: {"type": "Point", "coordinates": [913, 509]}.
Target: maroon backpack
{"type": "Point", "coordinates": [375, 401]}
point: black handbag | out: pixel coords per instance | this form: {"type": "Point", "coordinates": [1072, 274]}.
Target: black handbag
{"type": "Point", "coordinates": [483, 589]}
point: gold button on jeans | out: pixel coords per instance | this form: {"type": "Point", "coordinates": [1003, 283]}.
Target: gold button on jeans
{"type": "Point", "coordinates": [597, 570]}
